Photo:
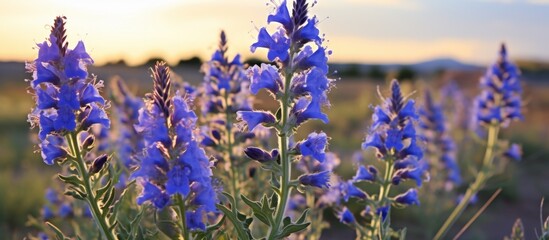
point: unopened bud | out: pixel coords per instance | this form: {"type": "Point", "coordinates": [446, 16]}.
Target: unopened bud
{"type": "Point", "coordinates": [98, 164]}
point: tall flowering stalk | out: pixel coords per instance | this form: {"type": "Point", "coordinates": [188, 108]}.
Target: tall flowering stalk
{"type": "Point", "coordinates": [226, 91]}
{"type": "Point", "coordinates": [173, 169]}
{"type": "Point", "coordinates": [393, 137]}
{"type": "Point", "coordinates": [299, 82]}
{"type": "Point", "coordinates": [440, 149]}
{"type": "Point", "coordinates": [497, 105]}
{"type": "Point", "coordinates": [68, 104]}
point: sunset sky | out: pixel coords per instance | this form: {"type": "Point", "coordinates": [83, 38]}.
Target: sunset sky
{"type": "Point", "coordinates": [369, 31]}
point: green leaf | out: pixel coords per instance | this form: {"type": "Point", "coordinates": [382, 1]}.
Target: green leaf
{"type": "Point", "coordinates": [265, 217]}
{"type": "Point", "coordinates": [75, 194]}
{"type": "Point", "coordinates": [243, 232]}
{"type": "Point", "coordinates": [292, 228]}
{"type": "Point", "coordinates": [71, 179]}
{"type": "Point", "coordinates": [109, 200]}
{"type": "Point", "coordinates": [303, 216]}
{"type": "Point", "coordinates": [58, 233]}
{"type": "Point", "coordinates": [104, 189]}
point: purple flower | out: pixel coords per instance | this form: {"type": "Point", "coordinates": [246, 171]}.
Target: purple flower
{"type": "Point", "coordinates": [153, 194]}
{"type": "Point", "coordinates": [383, 212]}
{"type": "Point", "coordinates": [63, 90]}
{"type": "Point", "coordinates": [278, 44]}
{"type": "Point", "coordinates": [173, 162]}
{"type": "Point", "coordinates": [282, 16]}
{"type": "Point", "coordinates": [346, 216]}
{"type": "Point", "coordinates": [319, 180]}
{"type": "Point", "coordinates": [501, 81]}
{"type": "Point", "coordinates": [314, 145]}
{"type": "Point", "coordinates": [195, 220]}
{"type": "Point", "coordinates": [514, 152]}
{"type": "Point", "coordinates": [266, 77]}
{"type": "Point", "coordinates": [254, 118]}
{"type": "Point", "coordinates": [408, 198]}
{"type": "Point", "coordinates": [261, 155]}
{"type": "Point", "coordinates": [53, 148]}
{"type": "Point", "coordinates": [365, 174]}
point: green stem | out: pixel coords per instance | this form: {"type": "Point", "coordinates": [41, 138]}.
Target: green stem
{"type": "Point", "coordinates": [98, 215]}
{"type": "Point", "coordinates": [480, 180]}
{"type": "Point", "coordinates": [183, 217]}
{"type": "Point", "coordinates": [375, 224]}
{"type": "Point", "coordinates": [229, 154]}
{"type": "Point", "coordinates": [286, 164]}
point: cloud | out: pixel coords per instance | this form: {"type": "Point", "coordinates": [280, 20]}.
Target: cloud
{"type": "Point", "coordinates": [539, 2]}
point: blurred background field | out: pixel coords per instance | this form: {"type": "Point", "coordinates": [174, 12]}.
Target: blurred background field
{"type": "Point", "coordinates": [24, 177]}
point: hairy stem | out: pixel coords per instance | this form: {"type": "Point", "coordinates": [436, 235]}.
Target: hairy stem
{"type": "Point", "coordinates": [98, 215]}
{"type": "Point", "coordinates": [183, 217]}
{"type": "Point", "coordinates": [480, 180]}
{"type": "Point", "coordinates": [285, 160]}
{"type": "Point", "coordinates": [229, 153]}
{"type": "Point", "coordinates": [375, 224]}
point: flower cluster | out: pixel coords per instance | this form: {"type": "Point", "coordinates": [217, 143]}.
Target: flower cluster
{"type": "Point", "coordinates": [301, 72]}
{"type": "Point", "coordinates": [394, 138]}
{"type": "Point", "coordinates": [173, 163]}
{"type": "Point", "coordinates": [67, 99]}
{"type": "Point", "coordinates": [127, 140]}
{"type": "Point", "coordinates": [440, 148]}
{"type": "Point", "coordinates": [500, 101]}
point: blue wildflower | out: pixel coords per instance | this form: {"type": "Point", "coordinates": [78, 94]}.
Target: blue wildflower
{"type": "Point", "coordinates": [172, 162]}
{"type": "Point", "coordinates": [64, 92]}
{"type": "Point", "coordinates": [314, 145]}
{"type": "Point", "coordinates": [408, 198]}
{"type": "Point", "coordinates": [319, 180]}
{"type": "Point", "coordinates": [65, 210]}
{"type": "Point", "coordinates": [439, 142]}
{"type": "Point", "coordinates": [261, 155]}
{"type": "Point", "coordinates": [383, 211]}
{"type": "Point", "coordinates": [346, 216]}
{"type": "Point", "coordinates": [254, 118]}
{"type": "Point", "coordinates": [365, 174]}
{"type": "Point", "coordinates": [514, 152]}
{"type": "Point", "coordinates": [266, 77]}
{"type": "Point", "coordinates": [195, 220]}
{"type": "Point", "coordinates": [501, 82]}
{"type": "Point", "coordinates": [53, 148]}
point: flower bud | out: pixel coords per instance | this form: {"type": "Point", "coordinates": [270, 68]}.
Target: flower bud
{"type": "Point", "coordinates": [98, 164]}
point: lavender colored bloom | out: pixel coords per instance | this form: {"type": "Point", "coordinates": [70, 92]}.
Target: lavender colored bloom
{"type": "Point", "coordinates": [254, 118]}
{"type": "Point", "coordinates": [278, 44]}
{"type": "Point", "coordinates": [172, 162]}
{"type": "Point", "coordinates": [65, 210]}
{"type": "Point", "coordinates": [383, 212]}
{"type": "Point", "coordinates": [195, 220]}
{"type": "Point", "coordinates": [128, 141]}
{"type": "Point", "coordinates": [346, 216]}
{"type": "Point", "coordinates": [514, 152]}
{"type": "Point", "coordinates": [66, 98]}
{"type": "Point", "coordinates": [500, 102]}
{"type": "Point", "coordinates": [348, 190]}
{"type": "Point", "coordinates": [314, 145]}
{"type": "Point", "coordinates": [261, 155]}
{"type": "Point", "coordinates": [408, 198]}
{"type": "Point", "coordinates": [266, 77]}
{"type": "Point", "coordinates": [47, 213]}
{"type": "Point", "coordinates": [53, 148]}
{"type": "Point", "coordinates": [365, 174]}
{"type": "Point", "coordinates": [393, 136]}
{"type": "Point", "coordinates": [319, 180]}
{"type": "Point", "coordinates": [439, 142]}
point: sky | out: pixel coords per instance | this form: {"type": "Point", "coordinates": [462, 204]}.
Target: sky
{"type": "Point", "coordinates": [365, 31]}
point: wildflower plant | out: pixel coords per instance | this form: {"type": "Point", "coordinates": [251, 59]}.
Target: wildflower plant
{"type": "Point", "coordinates": [174, 170]}
{"type": "Point", "coordinates": [393, 137]}
{"type": "Point", "coordinates": [497, 106]}
{"type": "Point", "coordinates": [297, 80]}
{"type": "Point", "coordinates": [68, 104]}
{"type": "Point", "coordinates": [225, 91]}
